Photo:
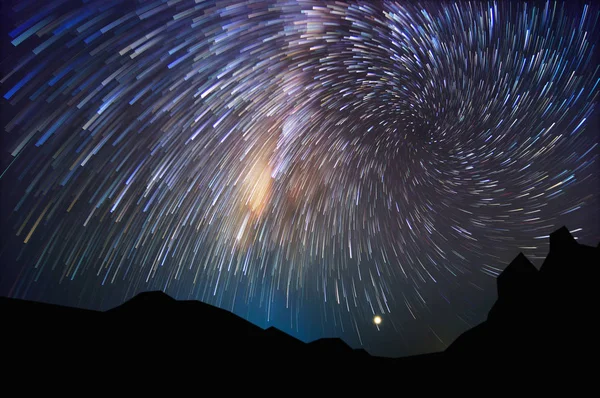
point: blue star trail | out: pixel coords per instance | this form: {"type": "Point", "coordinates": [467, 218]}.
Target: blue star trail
{"type": "Point", "coordinates": [312, 165]}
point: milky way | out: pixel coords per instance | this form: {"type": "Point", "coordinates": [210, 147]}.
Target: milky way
{"type": "Point", "coordinates": [306, 164]}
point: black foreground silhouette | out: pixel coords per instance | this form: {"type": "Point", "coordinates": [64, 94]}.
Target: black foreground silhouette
{"type": "Point", "coordinates": [543, 317]}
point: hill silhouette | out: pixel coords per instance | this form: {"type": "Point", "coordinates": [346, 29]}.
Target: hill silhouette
{"type": "Point", "coordinates": [541, 317]}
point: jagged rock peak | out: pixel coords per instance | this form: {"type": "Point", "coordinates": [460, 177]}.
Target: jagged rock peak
{"type": "Point", "coordinates": [561, 238]}
{"type": "Point", "coordinates": [519, 265]}
{"type": "Point", "coordinates": [516, 277]}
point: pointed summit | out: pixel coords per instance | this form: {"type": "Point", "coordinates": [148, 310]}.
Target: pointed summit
{"type": "Point", "coordinates": [515, 278]}
{"type": "Point", "coordinates": [561, 254]}
{"type": "Point", "coordinates": [561, 238]}
{"type": "Point", "coordinates": [519, 265]}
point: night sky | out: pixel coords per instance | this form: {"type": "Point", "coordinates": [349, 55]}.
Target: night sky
{"type": "Point", "coordinates": [306, 164]}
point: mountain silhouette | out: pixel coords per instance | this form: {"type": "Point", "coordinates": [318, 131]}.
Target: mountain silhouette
{"type": "Point", "coordinates": [540, 317]}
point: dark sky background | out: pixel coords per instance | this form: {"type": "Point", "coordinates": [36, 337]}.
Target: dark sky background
{"type": "Point", "coordinates": [306, 164]}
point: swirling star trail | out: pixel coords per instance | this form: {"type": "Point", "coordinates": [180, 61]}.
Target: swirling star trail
{"type": "Point", "coordinates": [306, 164]}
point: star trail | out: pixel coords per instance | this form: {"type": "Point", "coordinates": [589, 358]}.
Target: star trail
{"type": "Point", "coordinates": [312, 165]}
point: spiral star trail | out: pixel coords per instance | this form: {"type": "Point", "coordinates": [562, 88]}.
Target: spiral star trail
{"type": "Point", "coordinates": [306, 164]}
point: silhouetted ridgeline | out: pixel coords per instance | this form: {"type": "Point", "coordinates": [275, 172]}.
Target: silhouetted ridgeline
{"type": "Point", "coordinates": [542, 317]}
